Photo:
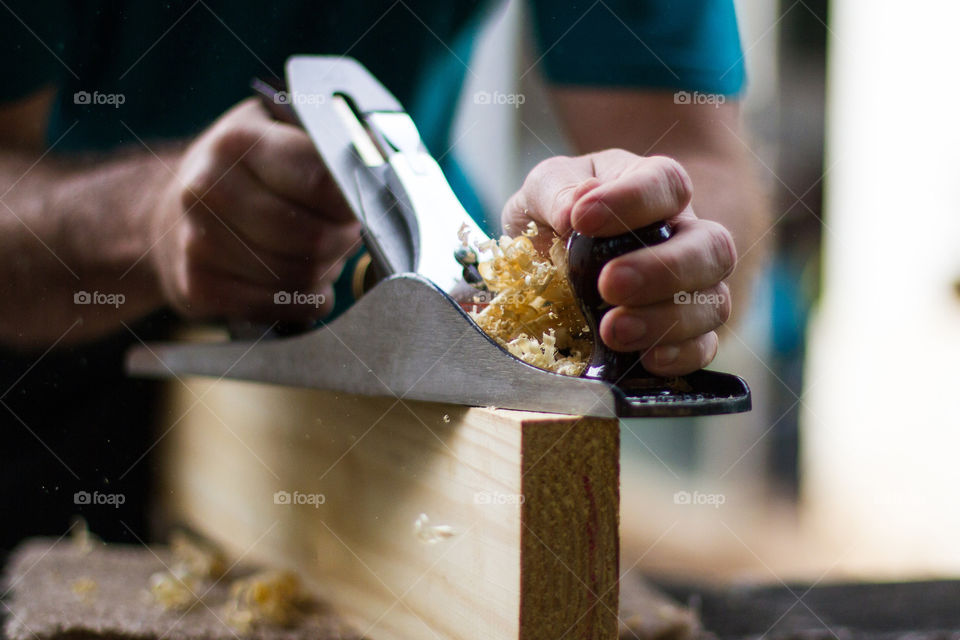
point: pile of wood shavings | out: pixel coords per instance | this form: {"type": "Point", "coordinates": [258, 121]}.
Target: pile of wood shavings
{"type": "Point", "coordinates": [265, 597]}
{"type": "Point", "coordinates": [534, 313]}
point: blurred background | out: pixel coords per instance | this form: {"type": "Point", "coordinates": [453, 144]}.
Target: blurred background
{"type": "Point", "coordinates": [847, 466]}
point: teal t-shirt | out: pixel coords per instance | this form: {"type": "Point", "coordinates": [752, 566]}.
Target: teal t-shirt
{"type": "Point", "coordinates": [179, 64]}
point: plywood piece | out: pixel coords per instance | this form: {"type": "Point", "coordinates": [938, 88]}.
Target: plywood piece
{"type": "Point", "coordinates": [520, 538]}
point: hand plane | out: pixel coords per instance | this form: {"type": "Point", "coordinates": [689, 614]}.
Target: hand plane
{"type": "Point", "coordinates": [409, 336]}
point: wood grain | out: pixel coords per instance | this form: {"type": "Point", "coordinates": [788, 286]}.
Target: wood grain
{"type": "Point", "coordinates": [521, 531]}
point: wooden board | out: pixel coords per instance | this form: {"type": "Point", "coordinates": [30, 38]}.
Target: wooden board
{"type": "Point", "coordinates": [521, 532]}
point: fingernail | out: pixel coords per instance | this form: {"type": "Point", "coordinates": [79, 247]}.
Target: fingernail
{"type": "Point", "coordinates": [666, 354]}
{"type": "Point", "coordinates": [629, 329]}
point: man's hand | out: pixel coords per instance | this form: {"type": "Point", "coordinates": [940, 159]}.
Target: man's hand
{"type": "Point", "coordinates": [609, 193]}
{"type": "Point", "coordinates": [250, 212]}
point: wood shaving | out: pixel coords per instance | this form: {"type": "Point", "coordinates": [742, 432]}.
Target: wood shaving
{"type": "Point", "coordinates": [534, 314]}
{"type": "Point", "coordinates": [80, 536]}
{"type": "Point", "coordinates": [271, 597]}
{"type": "Point", "coordinates": [196, 562]}
{"type": "Point", "coordinates": [431, 533]}
{"type": "Point", "coordinates": [84, 588]}
{"type": "Point", "coordinates": [174, 590]}
{"type": "Point", "coordinates": [199, 558]}
{"type": "Point", "coordinates": [265, 597]}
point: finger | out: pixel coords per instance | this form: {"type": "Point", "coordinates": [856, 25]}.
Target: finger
{"type": "Point", "coordinates": [681, 358]}
{"type": "Point", "coordinates": [280, 155]}
{"type": "Point", "coordinates": [650, 189]}
{"type": "Point", "coordinates": [700, 254]}
{"type": "Point", "coordinates": [220, 293]}
{"type": "Point", "coordinates": [268, 221]}
{"type": "Point", "coordinates": [549, 193]}
{"type": "Point", "coordinates": [285, 160]}
{"type": "Point", "coordinates": [636, 329]}
{"type": "Point", "coordinates": [214, 244]}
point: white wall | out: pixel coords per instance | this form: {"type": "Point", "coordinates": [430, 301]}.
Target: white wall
{"type": "Point", "coordinates": [881, 420]}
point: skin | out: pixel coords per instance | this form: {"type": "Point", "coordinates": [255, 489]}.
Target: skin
{"type": "Point", "coordinates": [609, 191]}
{"type": "Point", "coordinates": [215, 226]}
{"type": "Point", "coordinates": [212, 228]}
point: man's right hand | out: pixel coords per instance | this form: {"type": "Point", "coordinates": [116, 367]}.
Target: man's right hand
{"type": "Point", "coordinates": [251, 211]}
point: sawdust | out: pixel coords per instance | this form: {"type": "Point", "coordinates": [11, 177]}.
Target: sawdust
{"type": "Point", "coordinates": [80, 536]}
{"type": "Point", "coordinates": [84, 588]}
{"type": "Point", "coordinates": [174, 590]}
{"type": "Point", "coordinates": [199, 558]}
{"type": "Point", "coordinates": [196, 562]}
{"type": "Point", "coordinates": [266, 597]}
{"type": "Point", "coordinates": [271, 597]}
{"type": "Point", "coordinates": [534, 314]}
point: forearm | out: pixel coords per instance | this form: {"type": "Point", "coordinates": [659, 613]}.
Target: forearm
{"type": "Point", "coordinates": [727, 191]}
{"type": "Point", "coordinates": [69, 228]}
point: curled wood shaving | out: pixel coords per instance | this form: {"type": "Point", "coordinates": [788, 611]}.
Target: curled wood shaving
{"type": "Point", "coordinates": [199, 558]}
{"type": "Point", "coordinates": [534, 313]}
{"type": "Point", "coordinates": [271, 597]}
{"type": "Point", "coordinates": [174, 590]}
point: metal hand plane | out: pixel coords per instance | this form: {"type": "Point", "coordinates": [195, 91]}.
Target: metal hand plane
{"type": "Point", "coordinates": [409, 335]}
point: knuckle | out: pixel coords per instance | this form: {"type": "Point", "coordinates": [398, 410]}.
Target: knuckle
{"type": "Point", "coordinates": [315, 180]}
{"type": "Point", "coordinates": [673, 266]}
{"type": "Point", "coordinates": [232, 142]}
{"type": "Point", "coordinates": [547, 167]}
{"type": "Point", "coordinates": [673, 181]}
{"type": "Point", "coordinates": [330, 246]}
{"type": "Point", "coordinates": [197, 185]}
{"type": "Point", "coordinates": [189, 197]}
{"type": "Point", "coordinates": [196, 246]}
{"type": "Point", "coordinates": [617, 153]}
{"type": "Point", "coordinates": [722, 249]}
{"type": "Point", "coordinates": [216, 197]}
